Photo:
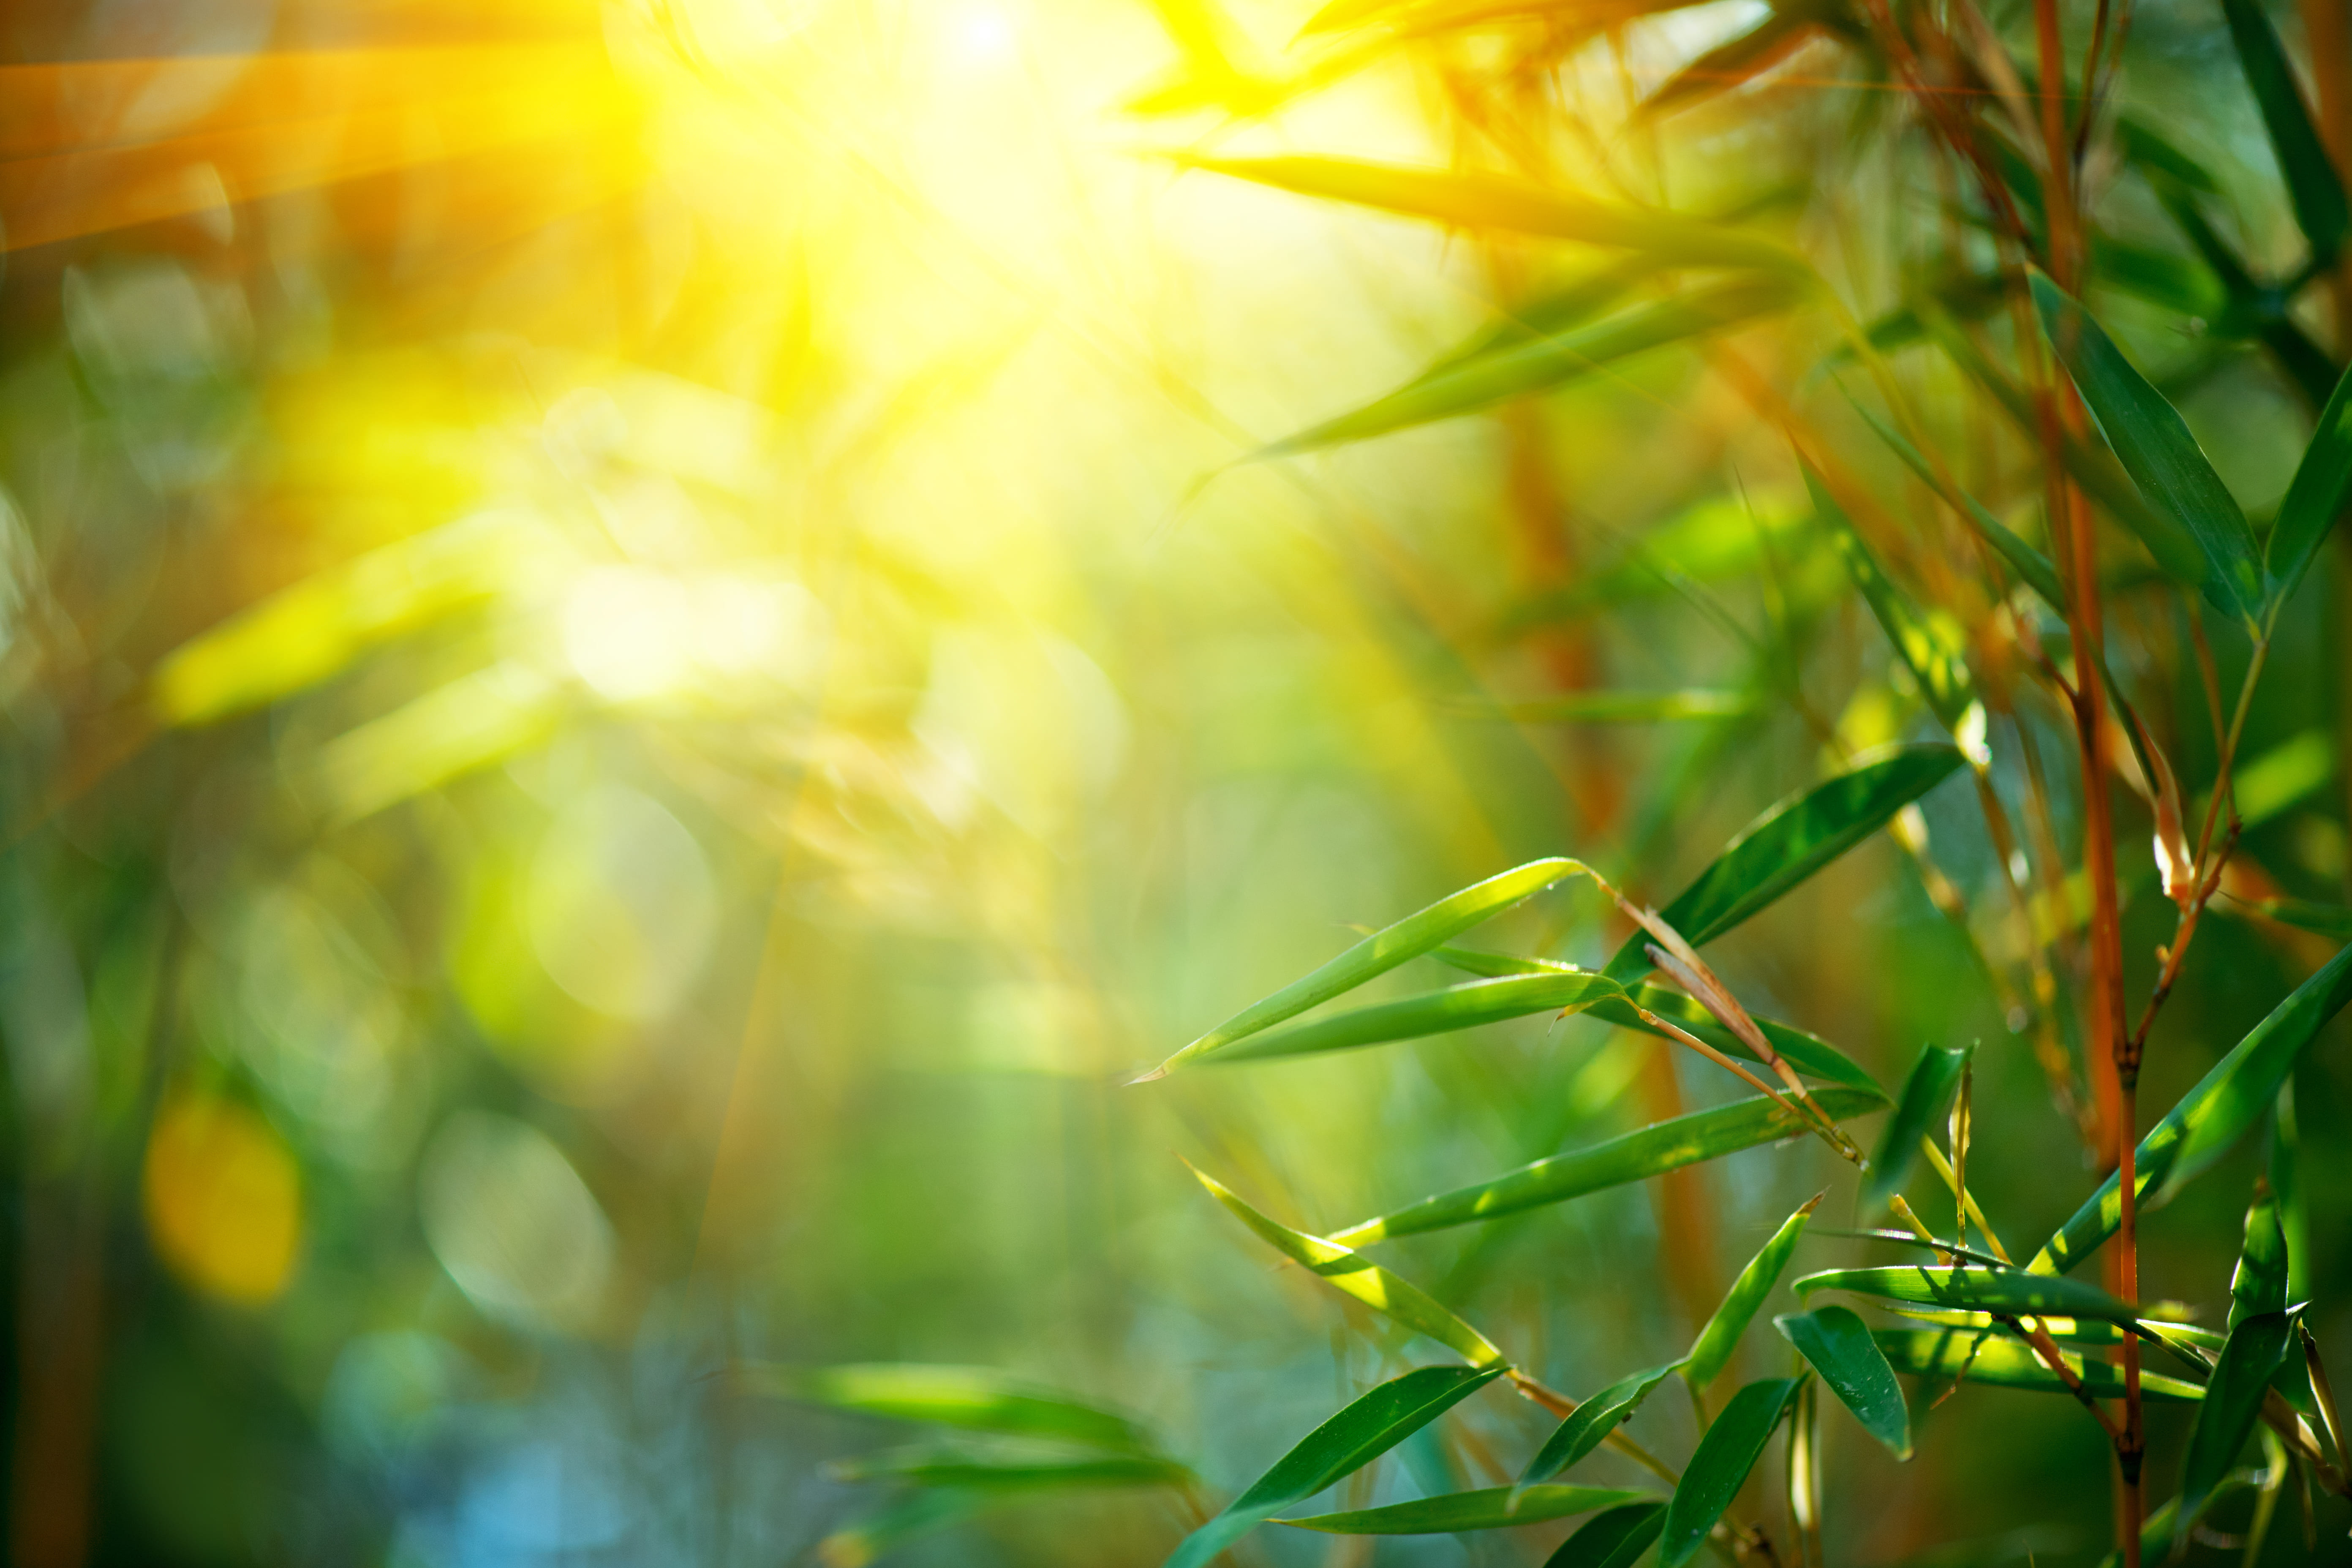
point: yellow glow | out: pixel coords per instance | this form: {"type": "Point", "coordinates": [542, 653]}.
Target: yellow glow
{"type": "Point", "coordinates": [224, 1200]}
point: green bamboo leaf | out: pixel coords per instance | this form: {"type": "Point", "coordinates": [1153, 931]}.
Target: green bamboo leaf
{"type": "Point", "coordinates": [2209, 1117]}
{"type": "Point", "coordinates": [2033, 568]}
{"type": "Point", "coordinates": [974, 1398]}
{"type": "Point", "coordinates": [1541, 364]}
{"type": "Point", "coordinates": [1943, 1355]}
{"type": "Point", "coordinates": [1352, 1440]}
{"type": "Point", "coordinates": [2316, 496]}
{"type": "Point", "coordinates": [2259, 1286]}
{"type": "Point", "coordinates": [920, 1513]}
{"type": "Point", "coordinates": [2186, 1337]}
{"type": "Point", "coordinates": [1496, 1508]}
{"type": "Point", "coordinates": [925, 1467]}
{"type": "Point", "coordinates": [1808, 1053]}
{"type": "Point", "coordinates": [2146, 148]}
{"type": "Point", "coordinates": [2326, 920]}
{"type": "Point", "coordinates": [1789, 843]}
{"type": "Point", "coordinates": [2155, 449]}
{"type": "Point", "coordinates": [1383, 951]}
{"type": "Point", "coordinates": [1430, 1013]}
{"type": "Point", "coordinates": [1975, 1289]}
{"type": "Point", "coordinates": [1612, 1540]}
{"type": "Point", "coordinates": [1931, 649]}
{"type": "Point", "coordinates": [1653, 1151]}
{"type": "Point", "coordinates": [1712, 1349]}
{"type": "Point", "coordinates": [1631, 707]}
{"type": "Point", "coordinates": [1926, 1089]}
{"type": "Point", "coordinates": [1734, 1441]}
{"type": "Point", "coordinates": [1461, 199]}
{"type": "Point", "coordinates": [2233, 1403]}
{"type": "Point", "coordinates": [1584, 1428]}
{"type": "Point", "coordinates": [1365, 1280]}
{"type": "Point", "coordinates": [2313, 187]}
{"type": "Point", "coordinates": [1836, 1343]}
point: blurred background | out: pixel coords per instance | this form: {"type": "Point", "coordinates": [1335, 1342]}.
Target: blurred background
{"type": "Point", "coordinates": [639, 670]}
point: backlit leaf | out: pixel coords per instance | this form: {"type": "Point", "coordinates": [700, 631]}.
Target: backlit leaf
{"type": "Point", "coordinates": [1583, 1428]}
{"type": "Point", "coordinates": [2209, 1117]}
{"type": "Point", "coordinates": [974, 1398]}
{"type": "Point", "coordinates": [1430, 1013]}
{"type": "Point", "coordinates": [1943, 1355]}
{"type": "Point", "coordinates": [1612, 1540]}
{"type": "Point", "coordinates": [1975, 1289]}
{"type": "Point", "coordinates": [1836, 1343]}
{"type": "Point", "coordinates": [1712, 1349]}
{"type": "Point", "coordinates": [1926, 1089]}
{"type": "Point", "coordinates": [2233, 1403]}
{"type": "Point", "coordinates": [1653, 1151]}
{"type": "Point", "coordinates": [1495, 1508]}
{"type": "Point", "coordinates": [1629, 707]}
{"type": "Point", "coordinates": [2033, 568]}
{"type": "Point", "coordinates": [2155, 449]}
{"type": "Point", "coordinates": [1789, 843]}
{"type": "Point", "coordinates": [1734, 1441]}
{"type": "Point", "coordinates": [1365, 1280]}
{"type": "Point", "coordinates": [1930, 649]}
{"type": "Point", "coordinates": [1352, 1440]}
{"type": "Point", "coordinates": [2259, 1286]}
{"type": "Point", "coordinates": [1731, 62]}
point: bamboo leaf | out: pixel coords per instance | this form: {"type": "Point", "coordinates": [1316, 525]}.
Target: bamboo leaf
{"type": "Point", "coordinates": [2233, 1403]}
{"type": "Point", "coordinates": [2313, 187]}
{"type": "Point", "coordinates": [1975, 1289]}
{"type": "Point", "coordinates": [1584, 1428]}
{"type": "Point", "coordinates": [2209, 1117]}
{"type": "Point", "coordinates": [862, 1540]}
{"type": "Point", "coordinates": [1836, 1343]}
{"type": "Point", "coordinates": [1495, 1508]}
{"type": "Point", "coordinates": [925, 1467]}
{"type": "Point", "coordinates": [2326, 920]}
{"type": "Point", "coordinates": [2316, 496]}
{"type": "Point", "coordinates": [1712, 1349]}
{"type": "Point", "coordinates": [1631, 707]}
{"type": "Point", "coordinates": [1932, 651]}
{"type": "Point", "coordinates": [1733, 1442]}
{"type": "Point", "coordinates": [1652, 1151]}
{"type": "Point", "coordinates": [1926, 1089]}
{"type": "Point", "coordinates": [1352, 1440]}
{"type": "Point", "coordinates": [1430, 1013]}
{"type": "Point", "coordinates": [2259, 1286]}
{"type": "Point", "coordinates": [1789, 843]}
{"type": "Point", "coordinates": [1943, 1355]}
{"type": "Point", "coordinates": [1730, 63]}
{"type": "Point", "coordinates": [2033, 568]}
{"type": "Point", "coordinates": [1540, 364]}
{"type": "Point", "coordinates": [2155, 449]}
{"type": "Point", "coordinates": [1612, 1540]}
{"type": "Point", "coordinates": [1383, 951]}
{"type": "Point", "coordinates": [1365, 1280]}
{"type": "Point", "coordinates": [974, 1398]}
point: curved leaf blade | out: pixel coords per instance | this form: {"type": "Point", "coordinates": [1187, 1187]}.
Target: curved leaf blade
{"type": "Point", "coordinates": [1979, 1356]}
{"type": "Point", "coordinates": [1836, 1343]}
{"type": "Point", "coordinates": [1928, 1088]}
{"type": "Point", "coordinates": [2317, 494]}
{"type": "Point", "coordinates": [926, 1468]}
{"type": "Point", "coordinates": [1652, 1151]}
{"type": "Point", "coordinates": [1583, 1428]}
{"type": "Point", "coordinates": [1789, 843]}
{"type": "Point", "coordinates": [1712, 1349]}
{"type": "Point", "coordinates": [1383, 951]}
{"type": "Point", "coordinates": [1930, 649]}
{"type": "Point", "coordinates": [973, 1398]}
{"type": "Point", "coordinates": [1734, 1441]}
{"type": "Point", "coordinates": [1360, 1276]}
{"type": "Point", "coordinates": [2233, 1403]}
{"type": "Point", "coordinates": [1612, 1540]}
{"type": "Point", "coordinates": [1430, 1013]}
{"type": "Point", "coordinates": [2209, 1117]}
{"type": "Point", "coordinates": [2313, 187]}
{"type": "Point", "coordinates": [1349, 1440]}
{"type": "Point", "coordinates": [1976, 1290]}
{"type": "Point", "coordinates": [2155, 448]}
{"type": "Point", "coordinates": [2033, 568]}
{"type": "Point", "coordinates": [1493, 1508]}
{"type": "Point", "coordinates": [2259, 1286]}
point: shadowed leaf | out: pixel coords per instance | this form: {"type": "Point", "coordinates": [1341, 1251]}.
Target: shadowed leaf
{"type": "Point", "coordinates": [2313, 187]}
{"type": "Point", "coordinates": [2326, 920]}
{"type": "Point", "coordinates": [1836, 1343]}
{"type": "Point", "coordinates": [2316, 496]}
{"type": "Point", "coordinates": [1712, 1349]}
{"type": "Point", "coordinates": [1976, 1290]}
{"type": "Point", "coordinates": [1431, 1013]}
{"type": "Point", "coordinates": [1612, 1540]}
{"type": "Point", "coordinates": [2233, 1403]}
{"type": "Point", "coordinates": [1926, 1089]}
{"type": "Point", "coordinates": [1729, 1450]}
{"type": "Point", "coordinates": [1653, 1151]}
{"type": "Point", "coordinates": [2259, 1286]}
{"type": "Point", "coordinates": [1496, 1508]}
{"type": "Point", "coordinates": [929, 1468]}
{"type": "Point", "coordinates": [2033, 568]}
{"type": "Point", "coordinates": [1583, 1428]}
{"type": "Point", "coordinates": [1354, 1437]}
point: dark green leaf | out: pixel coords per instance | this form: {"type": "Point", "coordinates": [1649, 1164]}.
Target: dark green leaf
{"type": "Point", "coordinates": [1383, 951]}
{"type": "Point", "coordinates": [2326, 920]}
{"type": "Point", "coordinates": [1496, 1508]}
{"type": "Point", "coordinates": [975, 1399]}
{"type": "Point", "coordinates": [1975, 1289]}
{"type": "Point", "coordinates": [1931, 650]}
{"type": "Point", "coordinates": [1430, 1013]}
{"type": "Point", "coordinates": [1353, 1439]}
{"type": "Point", "coordinates": [2259, 1286]}
{"type": "Point", "coordinates": [2146, 148]}
{"type": "Point", "coordinates": [2313, 187]}
{"type": "Point", "coordinates": [1365, 1280]}
{"type": "Point", "coordinates": [2033, 568]}
{"type": "Point", "coordinates": [2156, 451]}
{"type": "Point", "coordinates": [1946, 1353]}
{"type": "Point", "coordinates": [928, 1469]}
{"type": "Point", "coordinates": [1734, 1441]}
{"type": "Point", "coordinates": [2209, 1117]}
{"type": "Point", "coordinates": [1652, 1151]}
{"type": "Point", "coordinates": [1836, 1343]}
{"type": "Point", "coordinates": [1584, 1428]}
{"type": "Point", "coordinates": [2233, 1403]}
{"type": "Point", "coordinates": [2317, 497]}
{"type": "Point", "coordinates": [1926, 1089]}
{"type": "Point", "coordinates": [1712, 1349]}
{"type": "Point", "coordinates": [1789, 843]}
{"type": "Point", "coordinates": [1614, 1539]}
